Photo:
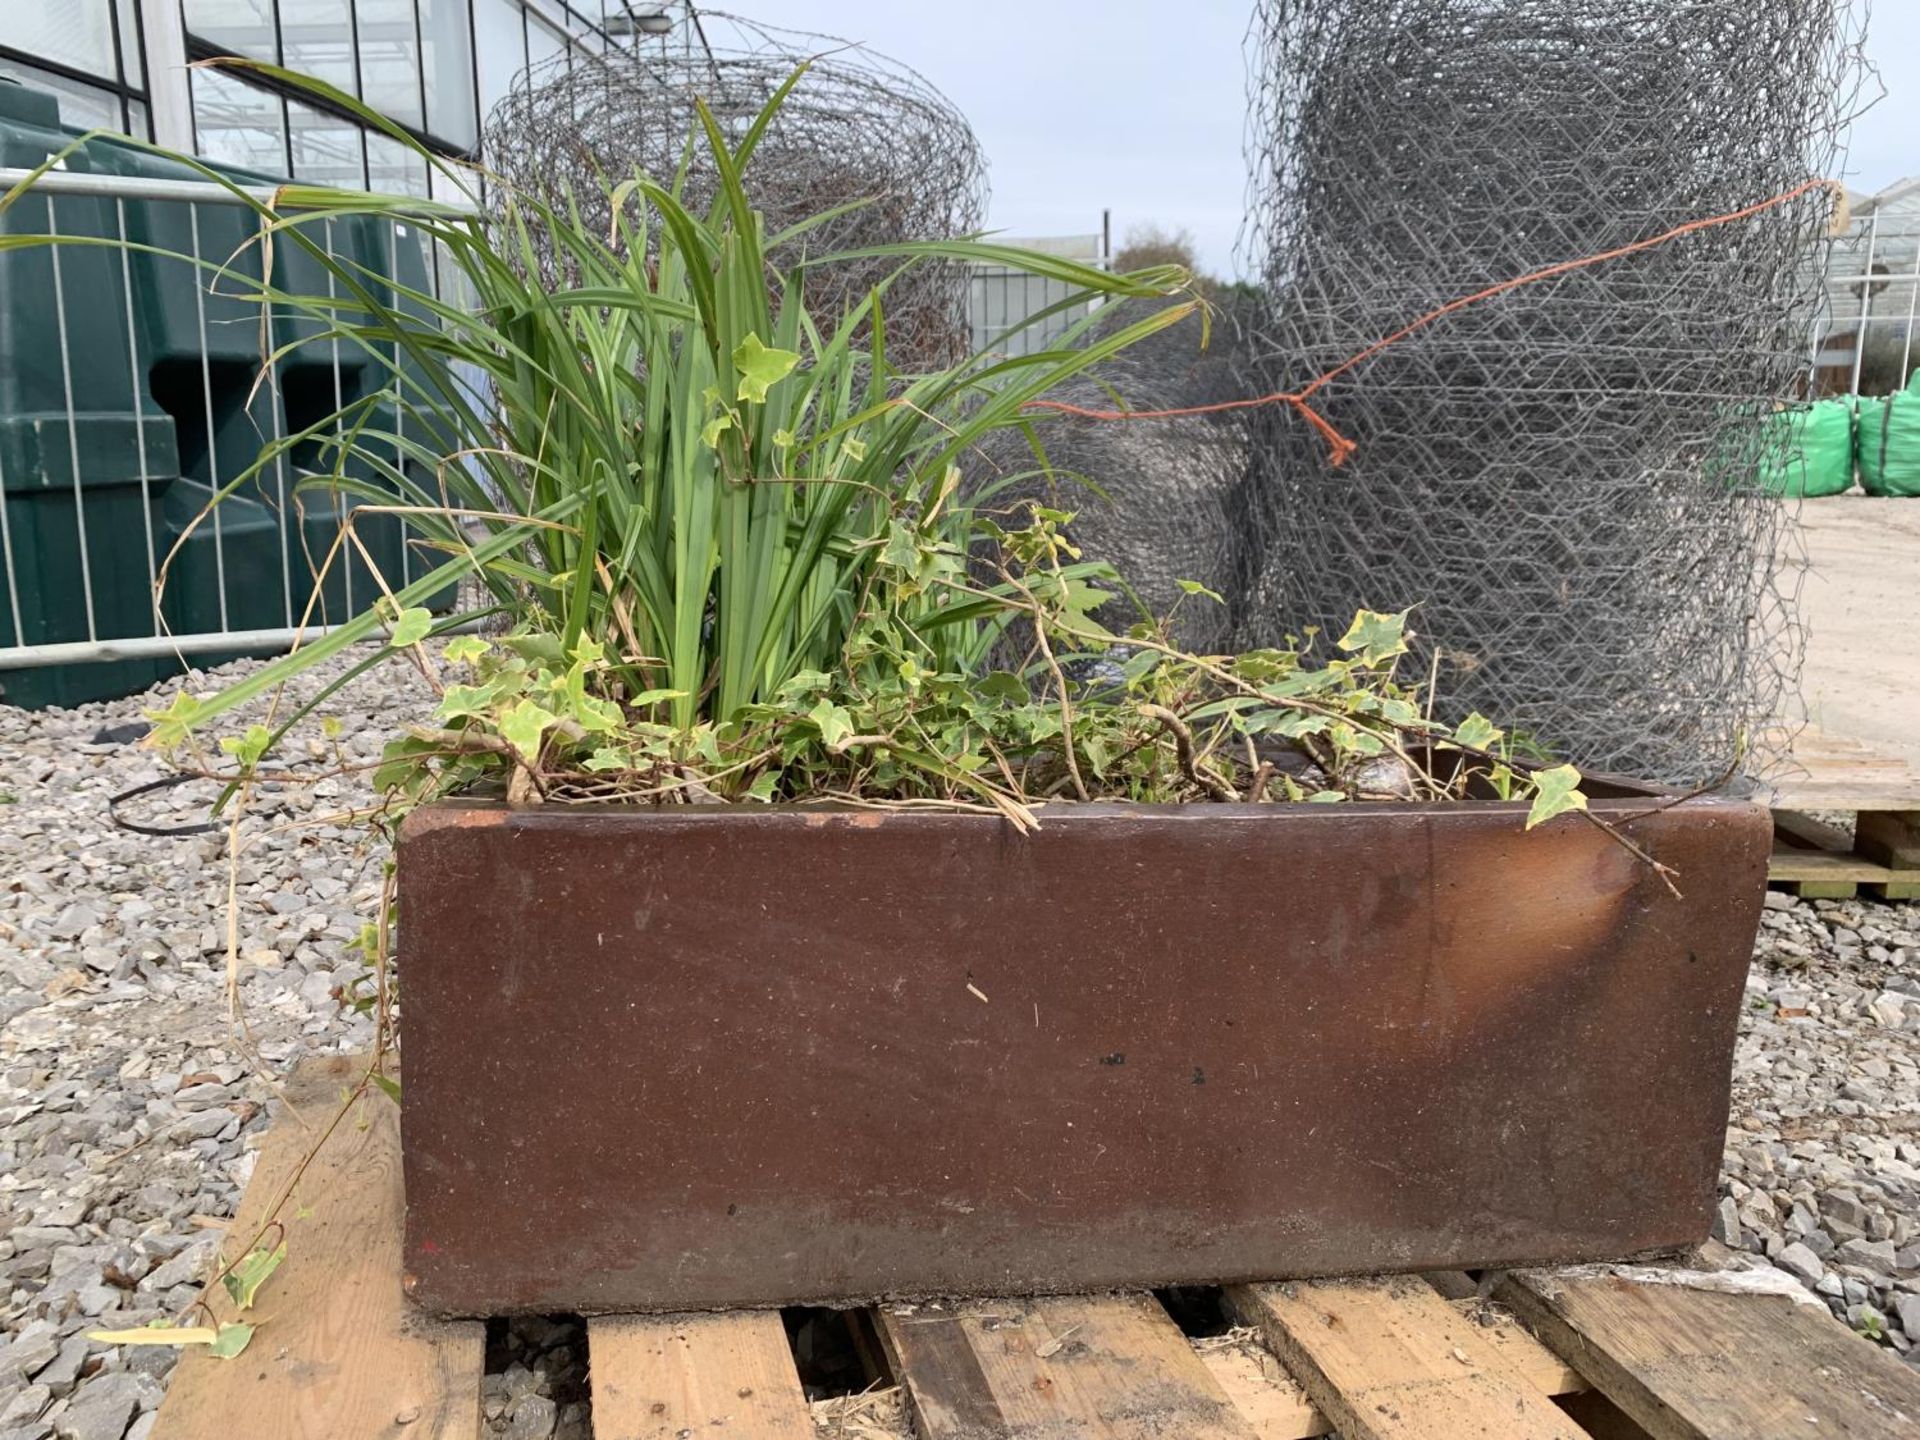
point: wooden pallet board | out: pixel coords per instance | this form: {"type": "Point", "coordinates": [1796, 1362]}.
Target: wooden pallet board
{"type": "Point", "coordinates": [339, 1350]}
{"type": "Point", "coordinates": [661, 1377]}
{"type": "Point", "coordinates": [1278, 1406]}
{"type": "Point", "coordinates": [1695, 1364]}
{"type": "Point", "coordinates": [1104, 1367]}
{"type": "Point", "coordinates": [1817, 860]}
{"type": "Point", "coordinates": [1829, 772]}
{"type": "Point", "coordinates": [1825, 875]}
{"type": "Point", "coordinates": [1390, 1359]}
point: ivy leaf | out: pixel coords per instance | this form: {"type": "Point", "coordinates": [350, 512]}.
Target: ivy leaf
{"type": "Point", "coordinates": [541, 649]}
{"type": "Point", "coordinates": [764, 784]}
{"type": "Point", "coordinates": [244, 1280]}
{"type": "Point", "coordinates": [1555, 792]}
{"type": "Point", "coordinates": [465, 649]}
{"type": "Point", "coordinates": [902, 550]}
{"type": "Point", "coordinates": [832, 721]}
{"type": "Point", "coordinates": [1477, 732]}
{"type": "Point", "coordinates": [1376, 637]}
{"type": "Point", "coordinates": [473, 700]}
{"type": "Point", "coordinates": [654, 697]}
{"type": "Point", "coordinates": [609, 757]}
{"type": "Point", "coordinates": [172, 725]}
{"type": "Point", "coordinates": [250, 748]}
{"type": "Point", "coordinates": [595, 714]}
{"type": "Point", "coordinates": [1003, 685]}
{"type": "Point", "coordinates": [715, 428]}
{"type": "Point", "coordinates": [523, 726]}
{"type": "Point", "coordinates": [232, 1339]}
{"type": "Point", "coordinates": [803, 682]}
{"type": "Point", "coordinates": [760, 368]}
{"type": "Point", "coordinates": [411, 627]}
{"type": "Point", "coordinates": [1194, 587]}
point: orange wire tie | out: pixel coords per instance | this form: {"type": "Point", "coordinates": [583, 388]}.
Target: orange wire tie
{"type": "Point", "coordinates": [1339, 447]}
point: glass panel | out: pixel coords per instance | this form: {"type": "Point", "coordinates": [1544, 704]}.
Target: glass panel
{"type": "Point", "coordinates": [448, 66]}
{"type": "Point", "coordinates": [461, 187]}
{"type": "Point", "coordinates": [500, 30]}
{"type": "Point", "coordinates": [140, 125]}
{"type": "Point", "coordinates": [242, 27]}
{"type": "Point", "coordinates": [237, 124]}
{"type": "Point", "coordinates": [326, 148]}
{"type": "Point", "coordinates": [130, 43]}
{"type": "Point", "coordinates": [74, 32]}
{"type": "Point", "coordinates": [390, 59]}
{"type": "Point", "coordinates": [393, 169]}
{"type": "Point", "coordinates": [316, 36]}
{"type": "Point", "coordinates": [83, 107]}
{"type": "Point", "coordinates": [543, 43]}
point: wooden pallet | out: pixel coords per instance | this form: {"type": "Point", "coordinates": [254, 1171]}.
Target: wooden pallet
{"type": "Point", "coordinates": [1820, 861]}
{"type": "Point", "coordinates": [339, 1355]}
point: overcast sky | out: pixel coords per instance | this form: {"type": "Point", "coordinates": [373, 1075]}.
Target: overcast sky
{"type": "Point", "coordinates": [1140, 105]}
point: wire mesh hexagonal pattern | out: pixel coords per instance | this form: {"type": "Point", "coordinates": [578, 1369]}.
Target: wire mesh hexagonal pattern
{"type": "Point", "coordinates": [862, 140]}
{"type": "Point", "coordinates": [1564, 480]}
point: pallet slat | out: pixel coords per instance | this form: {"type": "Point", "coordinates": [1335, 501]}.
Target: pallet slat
{"type": "Point", "coordinates": [341, 1352]}
{"type": "Point", "coordinates": [1825, 875]}
{"type": "Point", "coordinates": [1891, 837]}
{"type": "Point", "coordinates": [657, 1377]}
{"type": "Point", "coordinates": [1391, 1359]}
{"type": "Point", "coordinates": [1827, 772]}
{"type": "Point", "coordinates": [1266, 1397]}
{"type": "Point", "coordinates": [1110, 1367]}
{"type": "Point", "coordinates": [1694, 1364]}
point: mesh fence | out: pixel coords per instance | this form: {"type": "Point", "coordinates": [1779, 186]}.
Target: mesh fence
{"type": "Point", "coordinates": [1563, 480]}
{"type": "Point", "coordinates": [857, 128]}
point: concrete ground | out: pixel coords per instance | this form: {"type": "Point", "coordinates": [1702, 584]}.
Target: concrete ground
{"type": "Point", "coordinates": [1861, 604]}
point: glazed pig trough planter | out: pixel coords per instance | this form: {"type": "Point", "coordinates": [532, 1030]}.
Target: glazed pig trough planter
{"type": "Point", "coordinates": [688, 1058]}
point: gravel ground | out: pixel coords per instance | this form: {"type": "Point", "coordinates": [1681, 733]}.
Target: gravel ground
{"type": "Point", "coordinates": [130, 1116]}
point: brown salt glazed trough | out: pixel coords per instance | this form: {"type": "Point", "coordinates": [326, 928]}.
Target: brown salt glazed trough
{"type": "Point", "coordinates": [673, 1059]}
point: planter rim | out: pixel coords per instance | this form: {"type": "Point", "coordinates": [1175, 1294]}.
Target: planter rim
{"type": "Point", "coordinates": [470, 811]}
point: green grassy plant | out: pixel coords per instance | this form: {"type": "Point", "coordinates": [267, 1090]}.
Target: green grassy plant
{"type": "Point", "coordinates": [732, 547]}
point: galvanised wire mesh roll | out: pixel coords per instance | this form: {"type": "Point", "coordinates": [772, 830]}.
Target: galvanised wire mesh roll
{"type": "Point", "coordinates": [857, 128]}
{"type": "Point", "coordinates": [1563, 480]}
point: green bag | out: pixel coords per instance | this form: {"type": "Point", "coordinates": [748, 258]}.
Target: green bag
{"type": "Point", "coordinates": [1808, 450]}
{"type": "Point", "coordinates": [1889, 442]}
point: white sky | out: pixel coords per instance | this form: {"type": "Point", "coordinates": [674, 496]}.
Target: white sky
{"type": "Point", "coordinates": [1139, 105]}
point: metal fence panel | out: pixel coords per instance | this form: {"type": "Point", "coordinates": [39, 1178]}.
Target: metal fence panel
{"type": "Point", "coordinates": [133, 390]}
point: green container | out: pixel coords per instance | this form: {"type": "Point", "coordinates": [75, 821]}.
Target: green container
{"type": "Point", "coordinates": [169, 406]}
{"type": "Point", "coordinates": [1889, 442]}
{"type": "Point", "coordinates": [1808, 450]}
{"type": "Point", "coordinates": [102, 474]}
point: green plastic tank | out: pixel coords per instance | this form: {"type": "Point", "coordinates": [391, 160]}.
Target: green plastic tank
{"type": "Point", "coordinates": [168, 407]}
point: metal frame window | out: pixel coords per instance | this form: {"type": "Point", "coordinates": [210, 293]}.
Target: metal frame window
{"type": "Point", "coordinates": [419, 63]}
{"type": "Point", "coordinates": [115, 75]}
{"type": "Point", "coordinates": [452, 58]}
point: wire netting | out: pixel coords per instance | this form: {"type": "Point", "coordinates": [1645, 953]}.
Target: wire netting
{"type": "Point", "coordinates": [859, 131]}
{"type": "Point", "coordinates": [1562, 480]}
{"type": "Point", "coordinates": [1151, 499]}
